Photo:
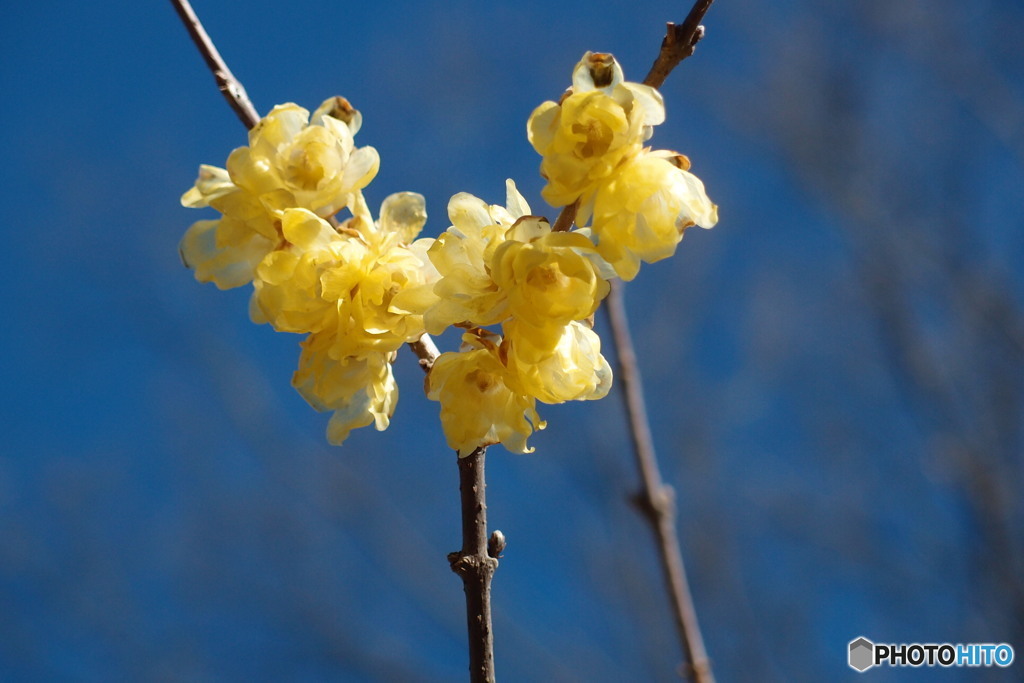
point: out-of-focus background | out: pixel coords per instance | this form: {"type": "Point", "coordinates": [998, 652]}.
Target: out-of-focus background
{"type": "Point", "coordinates": [834, 373]}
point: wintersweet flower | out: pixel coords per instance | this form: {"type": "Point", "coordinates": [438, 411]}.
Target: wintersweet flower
{"type": "Point", "coordinates": [549, 278]}
{"type": "Point", "coordinates": [226, 251]}
{"type": "Point", "coordinates": [477, 406]}
{"type": "Point", "coordinates": [381, 295]}
{"type": "Point", "coordinates": [641, 212]}
{"type": "Point", "coordinates": [601, 122]}
{"type": "Point", "coordinates": [287, 291]}
{"type": "Point", "coordinates": [360, 391]}
{"type": "Point", "coordinates": [292, 162]}
{"type": "Point", "coordinates": [347, 280]}
{"type": "Point", "coordinates": [566, 366]}
{"type": "Point", "coordinates": [465, 291]}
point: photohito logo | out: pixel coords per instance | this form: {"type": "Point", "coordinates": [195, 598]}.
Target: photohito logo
{"type": "Point", "coordinates": [863, 654]}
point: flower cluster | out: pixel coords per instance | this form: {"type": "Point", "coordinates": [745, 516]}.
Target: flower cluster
{"type": "Point", "coordinates": [501, 265]}
{"type": "Point", "coordinates": [639, 201]}
{"type": "Point", "coordinates": [360, 288]}
{"type": "Point", "coordinates": [340, 283]}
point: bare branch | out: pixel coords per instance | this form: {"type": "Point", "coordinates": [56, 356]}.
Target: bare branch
{"type": "Point", "coordinates": [476, 563]}
{"type": "Point", "coordinates": [679, 43]}
{"type": "Point", "coordinates": [228, 85]}
{"type": "Point", "coordinates": [657, 500]}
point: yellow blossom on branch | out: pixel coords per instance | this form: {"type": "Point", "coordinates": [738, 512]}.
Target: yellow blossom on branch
{"type": "Point", "coordinates": [462, 254]}
{"type": "Point", "coordinates": [377, 292]}
{"type": "Point", "coordinates": [347, 280]}
{"type": "Point", "coordinates": [638, 202]}
{"type": "Point", "coordinates": [342, 285]}
{"type": "Point", "coordinates": [477, 406]}
{"type": "Point", "coordinates": [292, 162]}
{"type": "Point", "coordinates": [549, 278]}
{"type": "Point", "coordinates": [226, 251]}
{"type": "Point", "coordinates": [287, 288]}
{"type": "Point", "coordinates": [641, 211]}
{"type": "Point", "coordinates": [602, 121]}
{"type": "Point", "coordinates": [555, 365]}
{"type": "Point", "coordinates": [360, 391]}
{"type": "Point", "coordinates": [495, 263]}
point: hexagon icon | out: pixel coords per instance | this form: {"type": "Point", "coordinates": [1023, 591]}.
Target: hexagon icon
{"type": "Point", "coordinates": [862, 653]}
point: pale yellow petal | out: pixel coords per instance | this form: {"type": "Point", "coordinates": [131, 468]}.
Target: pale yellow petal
{"type": "Point", "coordinates": [404, 213]}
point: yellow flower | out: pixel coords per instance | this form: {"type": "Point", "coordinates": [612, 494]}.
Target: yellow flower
{"type": "Point", "coordinates": [640, 213]}
{"type": "Point", "coordinates": [347, 280]}
{"type": "Point", "coordinates": [368, 316]}
{"type": "Point", "coordinates": [564, 366]}
{"type": "Point", "coordinates": [477, 406]}
{"type": "Point", "coordinates": [294, 163]}
{"type": "Point", "coordinates": [380, 296]}
{"type": "Point", "coordinates": [287, 290]}
{"type": "Point", "coordinates": [360, 391]}
{"type": "Point", "coordinates": [226, 251]}
{"type": "Point", "coordinates": [549, 277]}
{"type": "Point", "coordinates": [599, 124]}
{"type": "Point", "coordinates": [466, 292]}
{"type": "Point", "coordinates": [289, 164]}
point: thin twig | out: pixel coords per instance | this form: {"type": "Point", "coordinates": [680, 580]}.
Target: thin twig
{"type": "Point", "coordinates": [678, 44]}
{"type": "Point", "coordinates": [228, 85]}
{"type": "Point", "coordinates": [476, 563]}
{"type": "Point", "coordinates": [657, 500]}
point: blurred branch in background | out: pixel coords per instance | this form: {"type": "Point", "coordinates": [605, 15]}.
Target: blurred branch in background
{"type": "Point", "coordinates": [657, 500]}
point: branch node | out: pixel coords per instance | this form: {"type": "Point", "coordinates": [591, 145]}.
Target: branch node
{"type": "Point", "coordinates": [475, 565]}
{"type": "Point", "coordinates": [664, 501]}
{"type": "Point", "coordinates": [678, 44]}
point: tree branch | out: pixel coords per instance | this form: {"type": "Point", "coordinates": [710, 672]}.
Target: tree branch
{"type": "Point", "coordinates": [679, 43]}
{"type": "Point", "coordinates": [476, 563]}
{"type": "Point", "coordinates": [228, 85]}
{"type": "Point", "coordinates": [657, 500]}
{"type": "Point", "coordinates": [426, 350]}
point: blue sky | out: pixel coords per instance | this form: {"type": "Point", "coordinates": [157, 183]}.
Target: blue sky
{"type": "Point", "coordinates": [170, 509]}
